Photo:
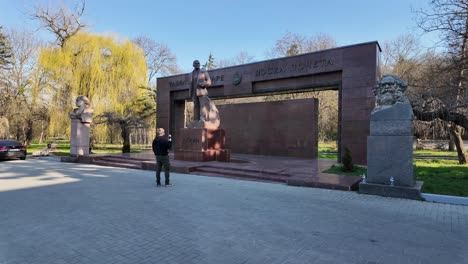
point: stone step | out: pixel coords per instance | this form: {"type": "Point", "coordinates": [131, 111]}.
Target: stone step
{"type": "Point", "coordinates": [326, 181]}
{"type": "Point", "coordinates": [120, 159]}
{"type": "Point", "coordinates": [239, 173]}
{"type": "Point", "coordinates": [208, 174]}
{"type": "Point", "coordinates": [118, 164]}
{"type": "Point", "coordinates": [263, 171]}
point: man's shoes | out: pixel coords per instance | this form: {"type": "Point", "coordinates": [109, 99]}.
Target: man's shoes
{"type": "Point", "coordinates": [168, 185]}
{"type": "Point", "coordinates": [158, 184]}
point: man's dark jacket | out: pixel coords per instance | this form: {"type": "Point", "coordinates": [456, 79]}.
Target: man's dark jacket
{"type": "Point", "coordinates": [161, 146]}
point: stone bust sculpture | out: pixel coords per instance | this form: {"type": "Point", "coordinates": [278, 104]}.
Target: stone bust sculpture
{"type": "Point", "coordinates": [393, 114]}
{"type": "Point", "coordinates": [83, 110]}
{"type": "Point", "coordinates": [389, 91]}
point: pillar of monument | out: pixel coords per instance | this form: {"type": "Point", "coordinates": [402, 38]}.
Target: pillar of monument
{"type": "Point", "coordinates": [79, 142]}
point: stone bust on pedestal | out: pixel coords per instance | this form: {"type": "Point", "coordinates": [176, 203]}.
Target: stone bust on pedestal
{"type": "Point", "coordinates": [82, 111]}
{"type": "Point", "coordinates": [81, 118]}
{"type": "Point", "coordinates": [390, 143]}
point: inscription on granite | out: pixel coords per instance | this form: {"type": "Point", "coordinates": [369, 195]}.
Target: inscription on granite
{"type": "Point", "coordinates": [294, 67]}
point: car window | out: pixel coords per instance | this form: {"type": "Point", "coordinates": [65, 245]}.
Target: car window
{"type": "Point", "coordinates": [9, 143]}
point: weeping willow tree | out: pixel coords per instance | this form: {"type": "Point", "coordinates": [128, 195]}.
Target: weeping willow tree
{"type": "Point", "coordinates": [109, 72]}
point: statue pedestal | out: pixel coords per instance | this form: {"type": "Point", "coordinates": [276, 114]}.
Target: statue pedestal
{"type": "Point", "coordinates": [79, 142]}
{"type": "Point", "coordinates": [390, 154]}
{"type": "Point", "coordinates": [413, 192]}
{"type": "Point", "coordinates": [201, 144]}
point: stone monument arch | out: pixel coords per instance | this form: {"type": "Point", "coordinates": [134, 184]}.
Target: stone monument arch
{"type": "Point", "coordinates": [351, 70]}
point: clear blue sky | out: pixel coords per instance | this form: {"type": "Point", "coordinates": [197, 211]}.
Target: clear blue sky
{"type": "Point", "coordinates": [193, 29]}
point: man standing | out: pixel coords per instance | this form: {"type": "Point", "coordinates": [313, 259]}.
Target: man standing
{"type": "Point", "coordinates": [200, 81]}
{"type": "Point", "coordinates": [161, 147]}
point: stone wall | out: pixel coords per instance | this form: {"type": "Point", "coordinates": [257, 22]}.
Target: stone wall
{"type": "Point", "coordinates": [282, 128]}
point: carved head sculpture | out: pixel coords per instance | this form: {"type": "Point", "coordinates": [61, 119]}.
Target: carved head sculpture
{"type": "Point", "coordinates": [82, 110]}
{"type": "Point", "coordinates": [196, 64]}
{"type": "Point", "coordinates": [81, 100]}
{"type": "Point", "coordinates": [389, 90]}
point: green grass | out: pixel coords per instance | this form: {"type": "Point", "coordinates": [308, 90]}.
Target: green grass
{"type": "Point", "coordinates": [442, 176]}
{"type": "Point", "coordinates": [434, 152]}
{"type": "Point", "coordinates": [63, 148]}
{"type": "Point", "coordinates": [117, 148]}
{"type": "Point", "coordinates": [327, 150]}
{"type": "Point", "coordinates": [327, 146]}
{"type": "Point", "coordinates": [335, 169]}
{"type": "Point", "coordinates": [330, 156]}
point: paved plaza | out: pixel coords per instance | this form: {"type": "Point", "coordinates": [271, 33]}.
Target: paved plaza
{"type": "Point", "coordinates": [53, 212]}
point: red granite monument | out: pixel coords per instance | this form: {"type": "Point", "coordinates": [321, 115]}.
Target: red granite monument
{"type": "Point", "coordinates": [350, 70]}
{"type": "Point", "coordinates": [203, 140]}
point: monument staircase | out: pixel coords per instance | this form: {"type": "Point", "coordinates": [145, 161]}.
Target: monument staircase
{"type": "Point", "coordinates": [121, 162]}
{"type": "Point", "coordinates": [217, 169]}
{"type": "Point", "coordinates": [261, 175]}
{"type": "Point", "coordinates": [291, 171]}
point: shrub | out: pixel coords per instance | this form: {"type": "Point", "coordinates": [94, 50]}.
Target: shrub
{"type": "Point", "coordinates": [347, 160]}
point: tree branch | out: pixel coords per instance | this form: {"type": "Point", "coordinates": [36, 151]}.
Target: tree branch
{"type": "Point", "coordinates": [443, 114]}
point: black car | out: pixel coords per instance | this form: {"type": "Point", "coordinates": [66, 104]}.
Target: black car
{"type": "Point", "coordinates": [10, 149]}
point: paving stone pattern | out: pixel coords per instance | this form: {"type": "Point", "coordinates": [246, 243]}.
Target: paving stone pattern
{"type": "Point", "coordinates": [52, 212]}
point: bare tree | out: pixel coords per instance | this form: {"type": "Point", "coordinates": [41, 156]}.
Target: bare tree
{"type": "Point", "coordinates": [4, 127]}
{"type": "Point", "coordinates": [21, 91]}
{"type": "Point", "coordinates": [242, 58]}
{"type": "Point", "coordinates": [433, 86]}
{"type": "Point", "coordinates": [62, 21]}
{"type": "Point", "coordinates": [160, 61]}
{"type": "Point", "coordinates": [5, 50]}
{"type": "Point", "coordinates": [402, 57]}
{"type": "Point", "coordinates": [159, 58]}
{"type": "Point", "coordinates": [293, 44]}
{"type": "Point", "coordinates": [450, 19]}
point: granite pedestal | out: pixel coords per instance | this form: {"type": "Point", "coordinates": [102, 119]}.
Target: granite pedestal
{"type": "Point", "coordinates": [413, 192]}
{"type": "Point", "coordinates": [390, 154]}
{"type": "Point", "coordinates": [79, 142]}
{"type": "Point", "coordinates": [201, 144]}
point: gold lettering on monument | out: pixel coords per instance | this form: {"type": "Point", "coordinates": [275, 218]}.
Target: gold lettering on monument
{"type": "Point", "coordinates": [217, 78]}
{"type": "Point", "coordinates": [294, 67]}
{"type": "Point", "coordinates": [177, 83]}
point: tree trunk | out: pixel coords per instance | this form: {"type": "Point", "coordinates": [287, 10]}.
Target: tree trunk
{"type": "Point", "coordinates": [456, 133]}
{"type": "Point", "coordinates": [125, 137]}
{"type": "Point", "coordinates": [451, 143]}
{"type": "Point", "coordinates": [29, 132]}
{"type": "Point", "coordinates": [92, 139]}
{"type": "Point", "coordinates": [464, 57]}
{"type": "Point", "coordinates": [18, 133]}
{"type": "Point", "coordinates": [42, 131]}
{"type": "Point", "coordinates": [111, 133]}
